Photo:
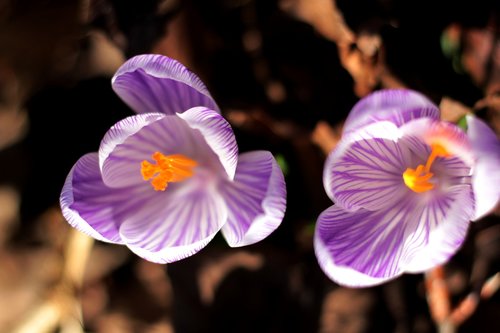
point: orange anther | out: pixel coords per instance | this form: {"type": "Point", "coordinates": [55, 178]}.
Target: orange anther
{"type": "Point", "coordinates": [168, 169]}
{"type": "Point", "coordinates": [419, 179]}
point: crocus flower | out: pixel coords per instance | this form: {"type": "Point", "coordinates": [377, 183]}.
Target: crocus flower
{"type": "Point", "coordinates": [405, 186]}
{"type": "Point", "coordinates": [166, 180]}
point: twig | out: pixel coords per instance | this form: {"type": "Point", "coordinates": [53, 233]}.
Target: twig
{"type": "Point", "coordinates": [491, 286]}
{"type": "Point", "coordinates": [447, 319]}
{"type": "Point", "coordinates": [464, 309]}
{"type": "Point", "coordinates": [437, 294]}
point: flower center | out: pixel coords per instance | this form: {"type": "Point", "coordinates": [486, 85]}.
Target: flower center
{"type": "Point", "coordinates": [418, 179]}
{"type": "Point", "coordinates": [167, 169]}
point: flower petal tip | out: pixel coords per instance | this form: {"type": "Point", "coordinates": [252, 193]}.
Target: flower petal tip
{"type": "Point", "coordinates": [156, 83]}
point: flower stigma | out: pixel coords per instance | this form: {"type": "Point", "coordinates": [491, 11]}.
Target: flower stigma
{"type": "Point", "coordinates": [419, 179]}
{"type": "Point", "coordinates": [167, 169]}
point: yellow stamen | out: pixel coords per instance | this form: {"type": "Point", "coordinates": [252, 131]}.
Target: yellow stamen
{"type": "Point", "coordinates": [168, 169]}
{"type": "Point", "coordinates": [418, 179]}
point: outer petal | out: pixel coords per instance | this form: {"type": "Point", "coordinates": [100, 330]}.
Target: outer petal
{"type": "Point", "coordinates": [88, 204]}
{"type": "Point", "coordinates": [341, 274]}
{"type": "Point", "coordinates": [398, 106]}
{"type": "Point", "coordinates": [365, 170]}
{"type": "Point", "coordinates": [365, 248]}
{"type": "Point", "coordinates": [486, 177]}
{"type": "Point", "coordinates": [124, 148]}
{"type": "Point", "coordinates": [155, 83]}
{"type": "Point", "coordinates": [177, 223]}
{"type": "Point", "coordinates": [256, 200]}
{"type": "Point", "coordinates": [217, 133]}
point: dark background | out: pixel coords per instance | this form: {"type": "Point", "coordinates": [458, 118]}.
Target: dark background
{"type": "Point", "coordinates": [276, 76]}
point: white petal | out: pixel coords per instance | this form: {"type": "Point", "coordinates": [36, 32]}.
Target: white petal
{"type": "Point", "coordinates": [448, 235]}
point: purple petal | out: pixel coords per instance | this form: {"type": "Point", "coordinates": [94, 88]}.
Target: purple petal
{"type": "Point", "coordinates": [358, 249]}
{"type": "Point", "coordinates": [127, 144]}
{"type": "Point", "coordinates": [155, 83]}
{"type": "Point", "coordinates": [256, 200]}
{"type": "Point", "coordinates": [88, 204]}
{"type": "Point", "coordinates": [217, 133]}
{"type": "Point", "coordinates": [486, 178]}
{"type": "Point", "coordinates": [365, 170]}
{"type": "Point", "coordinates": [177, 223]}
{"type": "Point", "coordinates": [365, 248]}
{"type": "Point", "coordinates": [398, 106]}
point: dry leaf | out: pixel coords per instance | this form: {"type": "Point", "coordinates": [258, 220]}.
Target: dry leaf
{"type": "Point", "coordinates": [323, 15]}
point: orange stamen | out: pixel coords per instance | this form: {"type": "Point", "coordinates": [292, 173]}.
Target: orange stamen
{"type": "Point", "coordinates": [418, 179]}
{"type": "Point", "coordinates": [168, 169]}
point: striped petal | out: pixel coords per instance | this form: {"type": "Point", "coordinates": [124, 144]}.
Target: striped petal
{"type": "Point", "coordinates": [256, 200]}
{"type": "Point", "coordinates": [364, 248]}
{"type": "Point", "coordinates": [217, 133]}
{"type": "Point", "coordinates": [155, 83]}
{"type": "Point", "coordinates": [88, 204]}
{"type": "Point", "coordinates": [486, 178]}
{"type": "Point", "coordinates": [398, 106]}
{"type": "Point", "coordinates": [365, 170]}
{"type": "Point", "coordinates": [127, 144]}
{"type": "Point", "coordinates": [177, 223]}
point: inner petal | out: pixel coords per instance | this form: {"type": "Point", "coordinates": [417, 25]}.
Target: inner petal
{"type": "Point", "coordinates": [169, 136]}
{"type": "Point", "coordinates": [367, 174]}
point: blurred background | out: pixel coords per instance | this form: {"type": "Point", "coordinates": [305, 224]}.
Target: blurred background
{"type": "Point", "coordinates": [285, 74]}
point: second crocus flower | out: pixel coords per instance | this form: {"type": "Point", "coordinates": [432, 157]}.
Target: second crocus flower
{"type": "Point", "coordinates": [405, 186]}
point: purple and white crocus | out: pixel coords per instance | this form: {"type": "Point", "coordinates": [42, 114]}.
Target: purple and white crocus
{"type": "Point", "coordinates": [166, 180]}
{"type": "Point", "coordinates": [405, 186]}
